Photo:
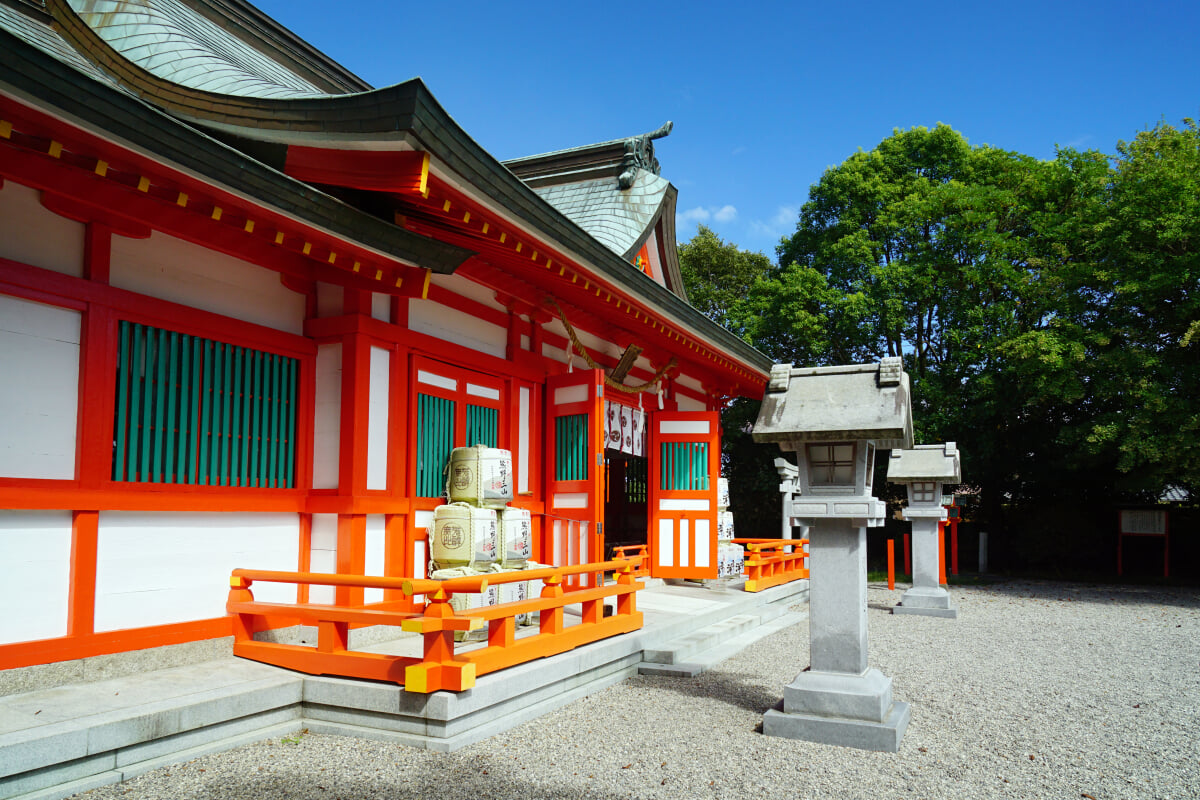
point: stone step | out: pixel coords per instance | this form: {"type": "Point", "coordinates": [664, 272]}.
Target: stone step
{"type": "Point", "coordinates": [687, 662]}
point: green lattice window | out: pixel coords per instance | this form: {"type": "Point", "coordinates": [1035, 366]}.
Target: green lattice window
{"type": "Point", "coordinates": [435, 440]}
{"type": "Point", "coordinates": [483, 426]}
{"type": "Point", "coordinates": [571, 457]}
{"type": "Point", "coordinates": [197, 411]}
{"type": "Point", "coordinates": [684, 466]}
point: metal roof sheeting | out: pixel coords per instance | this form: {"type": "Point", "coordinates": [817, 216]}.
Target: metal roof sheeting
{"type": "Point", "coordinates": [171, 41]}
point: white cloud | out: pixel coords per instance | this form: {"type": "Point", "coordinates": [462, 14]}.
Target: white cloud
{"type": "Point", "coordinates": [737, 151]}
{"type": "Point", "coordinates": [700, 214]}
{"type": "Point", "coordinates": [725, 214]}
{"type": "Point", "coordinates": [782, 222]}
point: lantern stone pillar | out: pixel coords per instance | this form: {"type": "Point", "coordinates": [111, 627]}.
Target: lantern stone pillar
{"type": "Point", "coordinates": [923, 470]}
{"type": "Point", "coordinates": [833, 419]}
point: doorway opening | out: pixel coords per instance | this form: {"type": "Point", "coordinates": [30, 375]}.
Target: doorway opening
{"type": "Point", "coordinates": [625, 496]}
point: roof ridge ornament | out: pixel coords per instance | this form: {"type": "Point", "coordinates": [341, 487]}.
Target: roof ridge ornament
{"type": "Point", "coordinates": [639, 152]}
{"type": "Point", "coordinates": [890, 370]}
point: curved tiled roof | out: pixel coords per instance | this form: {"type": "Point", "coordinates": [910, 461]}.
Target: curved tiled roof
{"type": "Point", "coordinates": [616, 217]}
{"type": "Point", "coordinates": [171, 41]}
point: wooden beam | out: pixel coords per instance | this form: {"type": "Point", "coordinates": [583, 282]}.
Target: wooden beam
{"type": "Point", "coordinates": [401, 171]}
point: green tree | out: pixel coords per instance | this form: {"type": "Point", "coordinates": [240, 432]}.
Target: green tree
{"type": "Point", "coordinates": [718, 276]}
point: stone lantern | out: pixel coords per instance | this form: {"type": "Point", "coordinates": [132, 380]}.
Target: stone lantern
{"type": "Point", "coordinates": [833, 419]}
{"type": "Point", "coordinates": [923, 470]}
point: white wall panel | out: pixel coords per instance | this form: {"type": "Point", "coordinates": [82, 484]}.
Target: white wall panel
{"type": "Point", "coordinates": [159, 567]}
{"type": "Point", "coordinates": [381, 306]}
{"type": "Point", "coordinates": [322, 554]}
{"type": "Point", "coordinates": [35, 573]}
{"type": "Point", "coordinates": [32, 235]}
{"type": "Point", "coordinates": [172, 269]}
{"type": "Point", "coordinates": [523, 422]}
{"type": "Point", "coordinates": [457, 327]}
{"type": "Point", "coordinates": [374, 563]}
{"type": "Point", "coordinates": [39, 389]}
{"type": "Point", "coordinates": [327, 426]}
{"type": "Point", "coordinates": [330, 300]}
{"type": "Point", "coordinates": [688, 403]}
{"type": "Point", "coordinates": [379, 397]}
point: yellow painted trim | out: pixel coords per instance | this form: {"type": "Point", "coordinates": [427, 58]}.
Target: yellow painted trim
{"type": "Point", "coordinates": [425, 287]}
{"type": "Point", "coordinates": [446, 206]}
{"type": "Point", "coordinates": [307, 248]}
{"type": "Point", "coordinates": [216, 215]}
{"type": "Point", "coordinates": [485, 227]}
{"type": "Point", "coordinates": [101, 167]}
{"type": "Point", "coordinates": [518, 247]}
{"type": "Point", "coordinates": [533, 256]}
{"type": "Point", "coordinates": [423, 186]}
{"type": "Point", "coordinates": [378, 274]}
{"type": "Point", "coordinates": [55, 150]}
{"type": "Point", "coordinates": [503, 236]}
{"type": "Point", "coordinates": [466, 217]}
{"type": "Point", "coordinates": [5, 129]}
{"type": "Point", "coordinates": [332, 257]}
{"type": "Point", "coordinates": [249, 226]}
{"type": "Point", "coordinates": [278, 237]}
{"type": "Point", "coordinates": [182, 200]}
{"type": "Point", "coordinates": [143, 184]}
{"type": "Point", "coordinates": [357, 266]}
{"type": "Point", "coordinates": [399, 282]}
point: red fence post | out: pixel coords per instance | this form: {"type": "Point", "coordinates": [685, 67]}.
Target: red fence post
{"type": "Point", "coordinates": [891, 564]}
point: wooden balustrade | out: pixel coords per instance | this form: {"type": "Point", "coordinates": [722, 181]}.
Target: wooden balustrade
{"type": "Point", "coordinates": [635, 551]}
{"type": "Point", "coordinates": [768, 562]}
{"type": "Point", "coordinates": [439, 667]}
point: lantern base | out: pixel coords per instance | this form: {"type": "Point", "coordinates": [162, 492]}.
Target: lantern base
{"type": "Point", "coordinates": [840, 708]}
{"type": "Point", "coordinates": [926, 601]}
{"type": "Point", "coordinates": [861, 734]}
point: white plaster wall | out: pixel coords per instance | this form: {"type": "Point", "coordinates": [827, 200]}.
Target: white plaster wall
{"type": "Point", "coordinates": [32, 235]}
{"type": "Point", "coordinates": [377, 418]}
{"type": "Point", "coordinates": [688, 403]}
{"type": "Point", "coordinates": [330, 300]}
{"type": "Point", "coordinates": [381, 306]}
{"type": "Point", "coordinates": [469, 289]}
{"type": "Point", "coordinates": [161, 567]}
{"type": "Point", "coordinates": [691, 383]}
{"type": "Point", "coordinates": [451, 325]}
{"type": "Point", "coordinates": [35, 573]}
{"type": "Point", "coordinates": [327, 434]}
{"type": "Point", "coordinates": [172, 269]}
{"type": "Point", "coordinates": [323, 554]}
{"type": "Point", "coordinates": [375, 543]}
{"type": "Point", "coordinates": [39, 389]}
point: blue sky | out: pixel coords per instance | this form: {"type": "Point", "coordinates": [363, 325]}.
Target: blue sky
{"type": "Point", "coordinates": [765, 95]}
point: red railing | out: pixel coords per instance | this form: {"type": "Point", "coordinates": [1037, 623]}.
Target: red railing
{"type": "Point", "coordinates": [635, 551]}
{"type": "Point", "coordinates": [439, 667]}
{"type": "Point", "coordinates": [769, 562]}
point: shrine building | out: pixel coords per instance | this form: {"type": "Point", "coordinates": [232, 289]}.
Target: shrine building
{"type": "Point", "coordinates": [249, 303]}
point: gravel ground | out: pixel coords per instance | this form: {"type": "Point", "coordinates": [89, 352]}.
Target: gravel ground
{"type": "Point", "coordinates": [1037, 690]}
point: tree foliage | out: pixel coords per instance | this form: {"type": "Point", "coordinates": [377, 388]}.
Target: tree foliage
{"type": "Point", "coordinates": [1046, 310]}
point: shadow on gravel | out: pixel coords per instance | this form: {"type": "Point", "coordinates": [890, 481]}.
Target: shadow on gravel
{"type": "Point", "coordinates": [1106, 593]}
{"type": "Point", "coordinates": [414, 783]}
{"type": "Point", "coordinates": [718, 686]}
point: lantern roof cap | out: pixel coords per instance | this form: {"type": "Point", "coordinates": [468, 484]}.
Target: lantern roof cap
{"type": "Point", "coordinates": [926, 462]}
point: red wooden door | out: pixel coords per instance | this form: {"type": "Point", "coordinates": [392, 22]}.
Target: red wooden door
{"type": "Point", "coordinates": [685, 451]}
{"type": "Point", "coordinates": [574, 470]}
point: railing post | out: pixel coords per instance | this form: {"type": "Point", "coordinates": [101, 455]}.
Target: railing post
{"type": "Point", "coordinates": [626, 603]}
{"type": "Point", "coordinates": [439, 670]}
{"type": "Point", "coordinates": [552, 619]}
{"type": "Point", "coordinates": [239, 592]}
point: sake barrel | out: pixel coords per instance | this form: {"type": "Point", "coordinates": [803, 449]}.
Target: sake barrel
{"type": "Point", "coordinates": [725, 525]}
{"type": "Point", "coordinates": [463, 535]}
{"type": "Point", "coordinates": [515, 592]}
{"type": "Point", "coordinates": [514, 530]}
{"type": "Point", "coordinates": [481, 476]}
{"type": "Point", "coordinates": [722, 494]}
{"type": "Point", "coordinates": [462, 602]}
